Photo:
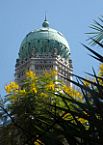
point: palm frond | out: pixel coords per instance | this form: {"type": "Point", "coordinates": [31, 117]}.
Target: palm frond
{"type": "Point", "coordinates": [97, 34]}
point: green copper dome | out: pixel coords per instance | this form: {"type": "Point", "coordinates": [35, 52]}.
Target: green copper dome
{"type": "Point", "coordinates": [44, 41]}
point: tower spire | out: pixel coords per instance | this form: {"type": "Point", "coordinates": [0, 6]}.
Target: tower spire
{"type": "Point", "coordinates": [45, 17]}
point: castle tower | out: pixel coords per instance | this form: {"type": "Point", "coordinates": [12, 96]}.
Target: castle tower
{"type": "Point", "coordinates": [44, 49]}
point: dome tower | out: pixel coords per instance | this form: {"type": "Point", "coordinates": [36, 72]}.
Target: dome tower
{"type": "Point", "coordinates": [44, 49]}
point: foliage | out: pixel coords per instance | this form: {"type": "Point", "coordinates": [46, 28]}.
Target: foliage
{"type": "Point", "coordinates": [83, 123]}
{"type": "Point", "coordinates": [97, 32]}
{"type": "Point", "coordinates": [28, 106]}
{"type": "Point", "coordinates": [44, 111]}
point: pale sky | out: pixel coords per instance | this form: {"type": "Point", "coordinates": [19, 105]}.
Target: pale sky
{"type": "Point", "coordinates": [71, 17]}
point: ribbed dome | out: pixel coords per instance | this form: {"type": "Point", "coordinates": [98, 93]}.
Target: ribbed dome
{"type": "Point", "coordinates": [44, 41]}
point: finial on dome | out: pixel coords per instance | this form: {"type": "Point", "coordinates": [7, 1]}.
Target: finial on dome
{"type": "Point", "coordinates": [45, 23]}
{"type": "Point", "coordinates": [45, 17]}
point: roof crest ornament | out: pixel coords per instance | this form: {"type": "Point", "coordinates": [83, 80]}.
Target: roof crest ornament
{"type": "Point", "coordinates": [45, 23]}
{"type": "Point", "coordinates": [45, 17]}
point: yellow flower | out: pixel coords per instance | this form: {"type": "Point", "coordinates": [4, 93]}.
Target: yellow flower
{"type": "Point", "coordinates": [67, 116]}
{"type": "Point", "coordinates": [72, 92]}
{"type": "Point", "coordinates": [12, 87]}
{"type": "Point", "coordinates": [100, 73]}
{"type": "Point", "coordinates": [22, 92]}
{"type": "Point", "coordinates": [85, 83]}
{"type": "Point", "coordinates": [46, 74]}
{"type": "Point", "coordinates": [38, 142]}
{"type": "Point", "coordinates": [49, 74]}
{"type": "Point", "coordinates": [67, 89]}
{"type": "Point", "coordinates": [101, 67]}
{"type": "Point", "coordinates": [50, 86]}
{"type": "Point", "coordinates": [30, 74]}
{"type": "Point", "coordinates": [53, 73]}
{"type": "Point", "coordinates": [100, 81]}
{"type": "Point", "coordinates": [82, 120]}
{"type": "Point", "coordinates": [33, 88]}
{"type": "Point", "coordinates": [43, 94]}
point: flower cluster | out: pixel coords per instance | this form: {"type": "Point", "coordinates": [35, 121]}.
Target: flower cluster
{"type": "Point", "coordinates": [42, 94]}
{"type": "Point", "coordinates": [12, 87]}
{"type": "Point", "coordinates": [22, 92]}
{"type": "Point", "coordinates": [100, 74]}
{"type": "Point", "coordinates": [38, 142]}
{"type": "Point", "coordinates": [50, 86]}
{"type": "Point", "coordinates": [101, 70]}
{"type": "Point", "coordinates": [33, 88]}
{"type": "Point", "coordinates": [72, 92]}
{"type": "Point", "coordinates": [82, 120]}
{"type": "Point", "coordinates": [50, 74]}
{"type": "Point", "coordinates": [86, 83]}
{"type": "Point", "coordinates": [30, 75]}
{"type": "Point", "coordinates": [41, 86]}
